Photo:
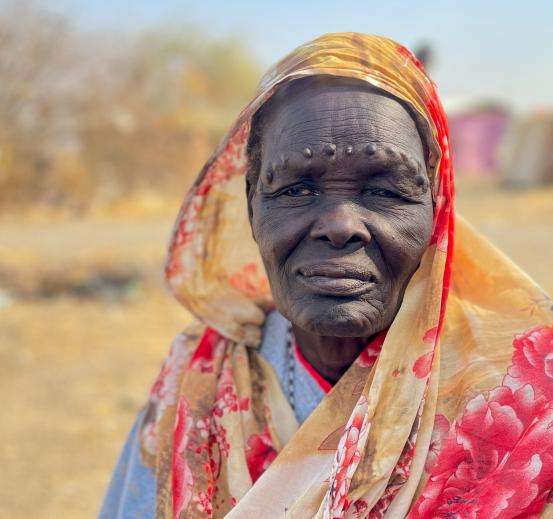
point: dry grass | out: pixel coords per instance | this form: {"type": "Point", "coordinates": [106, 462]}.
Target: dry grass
{"type": "Point", "coordinates": [75, 370]}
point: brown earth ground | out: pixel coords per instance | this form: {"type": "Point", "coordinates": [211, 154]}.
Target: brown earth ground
{"type": "Point", "coordinates": [85, 322]}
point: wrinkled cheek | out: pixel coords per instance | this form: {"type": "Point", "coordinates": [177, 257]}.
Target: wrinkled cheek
{"type": "Point", "coordinates": [403, 242]}
{"type": "Point", "coordinates": [394, 258]}
{"type": "Point", "coordinates": [273, 244]}
{"type": "Point", "coordinates": [402, 261]}
{"type": "Point", "coordinates": [279, 230]}
{"type": "Point", "coordinates": [269, 241]}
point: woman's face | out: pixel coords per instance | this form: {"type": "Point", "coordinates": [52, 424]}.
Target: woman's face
{"type": "Point", "coordinates": [342, 209]}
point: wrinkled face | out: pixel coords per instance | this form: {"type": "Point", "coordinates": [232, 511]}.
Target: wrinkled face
{"type": "Point", "coordinates": [342, 208]}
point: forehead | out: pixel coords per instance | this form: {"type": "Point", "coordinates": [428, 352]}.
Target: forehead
{"type": "Point", "coordinates": [319, 111]}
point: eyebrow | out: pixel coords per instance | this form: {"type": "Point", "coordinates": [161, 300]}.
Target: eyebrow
{"type": "Point", "coordinates": [391, 163]}
{"type": "Point", "coordinates": [314, 169]}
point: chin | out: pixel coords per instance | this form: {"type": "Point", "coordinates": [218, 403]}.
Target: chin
{"type": "Point", "coordinates": [349, 319]}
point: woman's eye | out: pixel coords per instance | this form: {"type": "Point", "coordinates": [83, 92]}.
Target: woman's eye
{"type": "Point", "coordinates": [296, 191]}
{"type": "Point", "coordinates": [376, 191]}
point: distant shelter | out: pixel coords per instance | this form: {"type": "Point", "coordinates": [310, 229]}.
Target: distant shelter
{"type": "Point", "coordinates": [526, 158]}
{"type": "Point", "coordinates": [476, 131]}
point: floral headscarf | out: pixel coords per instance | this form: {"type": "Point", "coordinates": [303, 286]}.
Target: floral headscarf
{"type": "Point", "coordinates": [449, 415]}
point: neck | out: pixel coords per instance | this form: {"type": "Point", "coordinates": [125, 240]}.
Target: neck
{"type": "Point", "coordinates": [330, 356]}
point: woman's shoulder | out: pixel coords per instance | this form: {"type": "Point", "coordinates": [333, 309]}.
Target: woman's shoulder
{"type": "Point", "coordinates": [131, 492]}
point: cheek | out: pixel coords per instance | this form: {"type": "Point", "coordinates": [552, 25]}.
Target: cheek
{"type": "Point", "coordinates": [403, 235]}
{"type": "Point", "coordinates": [277, 233]}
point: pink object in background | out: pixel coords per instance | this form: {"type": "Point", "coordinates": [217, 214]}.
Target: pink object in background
{"type": "Point", "coordinates": [476, 132]}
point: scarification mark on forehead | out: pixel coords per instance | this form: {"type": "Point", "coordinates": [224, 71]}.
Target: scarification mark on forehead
{"type": "Point", "coordinates": [295, 130]}
{"type": "Point", "coordinates": [383, 158]}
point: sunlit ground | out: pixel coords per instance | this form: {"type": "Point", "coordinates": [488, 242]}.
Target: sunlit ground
{"type": "Point", "coordinates": [85, 322]}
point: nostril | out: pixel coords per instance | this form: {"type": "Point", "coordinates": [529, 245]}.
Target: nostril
{"type": "Point", "coordinates": [341, 241]}
{"type": "Point", "coordinates": [340, 232]}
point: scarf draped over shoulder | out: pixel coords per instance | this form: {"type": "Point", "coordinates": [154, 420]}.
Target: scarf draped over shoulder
{"type": "Point", "coordinates": [451, 416]}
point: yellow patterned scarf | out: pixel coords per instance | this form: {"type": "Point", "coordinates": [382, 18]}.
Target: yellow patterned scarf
{"type": "Point", "coordinates": [453, 418]}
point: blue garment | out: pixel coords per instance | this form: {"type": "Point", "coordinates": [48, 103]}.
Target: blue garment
{"type": "Point", "coordinates": [307, 392]}
{"type": "Point", "coordinates": [132, 491]}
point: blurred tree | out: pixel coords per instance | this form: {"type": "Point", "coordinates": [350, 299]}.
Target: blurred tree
{"type": "Point", "coordinates": [176, 95]}
{"type": "Point", "coordinates": [36, 65]}
{"type": "Point", "coordinates": [86, 118]}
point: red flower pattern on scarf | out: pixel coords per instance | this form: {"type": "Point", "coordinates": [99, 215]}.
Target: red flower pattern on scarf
{"type": "Point", "coordinates": [497, 460]}
{"type": "Point", "coordinates": [164, 391]}
{"type": "Point", "coordinates": [226, 399]}
{"type": "Point", "coordinates": [533, 361]}
{"type": "Point", "coordinates": [347, 458]}
{"type": "Point", "coordinates": [260, 453]}
{"type": "Point", "coordinates": [370, 354]}
{"type": "Point", "coordinates": [183, 481]}
{"type": "Point", "coordinates": [423, 365]}
{"type": "Point", "coordinates": [210, 347]}
{"type": "Point", "coordinates": [439, 433]}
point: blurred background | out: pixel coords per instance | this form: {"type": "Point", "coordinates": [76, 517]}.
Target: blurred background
{"type": "Point", "coordinates": [107, 111]}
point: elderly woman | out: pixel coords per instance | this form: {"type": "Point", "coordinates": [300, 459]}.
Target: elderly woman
{"type": "Point", "coordinates": [325, 375]}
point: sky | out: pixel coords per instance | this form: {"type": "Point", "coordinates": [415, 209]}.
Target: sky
{"type": "Point", "coordinates": [483, 50]}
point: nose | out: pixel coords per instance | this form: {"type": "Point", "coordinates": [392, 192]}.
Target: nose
{"type": "Point", "coordinates": [341, 225]}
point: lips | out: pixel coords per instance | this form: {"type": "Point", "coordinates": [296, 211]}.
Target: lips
{"type": "Point", "coordinates": [337, 278]}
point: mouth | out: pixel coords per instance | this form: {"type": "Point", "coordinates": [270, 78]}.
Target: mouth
{"type": "Point", "coordinates": [337, 279]}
